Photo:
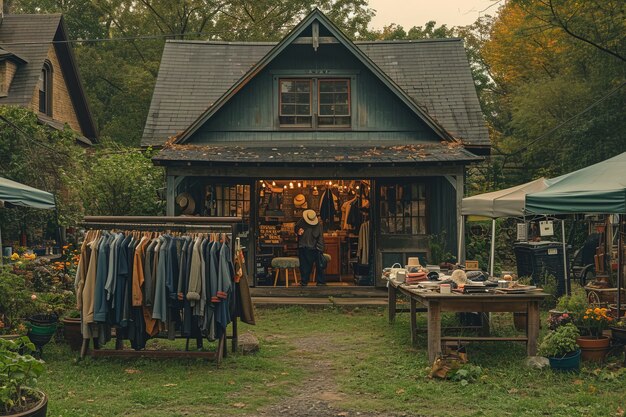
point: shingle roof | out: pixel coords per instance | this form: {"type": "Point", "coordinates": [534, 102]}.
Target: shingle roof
{"type": "Point", "coordinates": [310, 154]}
{"type": "Point", "coordinates": [434, 73]}
{"type": "Point", "coordinates": [29, 36]}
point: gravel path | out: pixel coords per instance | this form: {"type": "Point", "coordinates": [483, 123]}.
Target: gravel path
{"type": "Point", "coordinates": [319, 395]}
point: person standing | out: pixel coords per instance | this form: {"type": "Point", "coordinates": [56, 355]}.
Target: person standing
{"type": "Point", "coordinates": [310, 246]}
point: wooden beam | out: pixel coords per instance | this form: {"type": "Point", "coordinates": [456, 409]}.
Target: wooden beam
{"type": "Point", "coordinates": [322, 40]}
{"type": "Point", "coordinates": [315, 29]}
{"type": "Point", "coordinates": [312, 171]}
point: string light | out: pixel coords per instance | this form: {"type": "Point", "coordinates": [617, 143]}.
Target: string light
{"type": "Point", "coordinates": [274, 183]}
{"type": "Point", "coordinates": [299, 185]}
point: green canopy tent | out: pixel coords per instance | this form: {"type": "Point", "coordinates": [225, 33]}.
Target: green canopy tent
{"type": "Point", "coordinates": [599, 188]}
{"type": "Point", "coordinates": [23, 195]}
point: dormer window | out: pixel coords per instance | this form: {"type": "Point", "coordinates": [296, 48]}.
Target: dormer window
{"type": "Point", "coordinates": [45, 89]}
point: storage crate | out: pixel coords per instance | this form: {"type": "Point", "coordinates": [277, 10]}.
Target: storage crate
{"type": "Point", "coordinates": [538, 258]}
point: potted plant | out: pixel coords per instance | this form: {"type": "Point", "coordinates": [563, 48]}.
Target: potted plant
{"type": "Point", "coordinates": [72, 330]}
{"type": "Point", "coordinates": [594, 345]}
{"type": "Point", "coordinates": [560, 347]}
{"type": "Point", "coordinates": [18, 375]}
{"type": "Point", "coordinates": [618, 330]}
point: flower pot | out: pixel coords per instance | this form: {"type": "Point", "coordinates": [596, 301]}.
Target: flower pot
{"type": "Point", "coordinates": [43, 319]}
{"type": "Point", "coordinates": [72, 333]}
{"type": "Point", "coordinates": [40, 408]}
{"type": "Point", "coordinates": [593, 349]}
{"type": "Point", "coordinates": [569, 362]}
{"type": "Point", "coordinates": [618, 334]}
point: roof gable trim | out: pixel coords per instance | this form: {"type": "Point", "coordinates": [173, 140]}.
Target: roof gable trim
{"type": "Point", "coordinates": [293, 37]}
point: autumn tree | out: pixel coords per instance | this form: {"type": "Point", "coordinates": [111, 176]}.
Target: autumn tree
{"type": "Point", "coordinates": [560, 99]}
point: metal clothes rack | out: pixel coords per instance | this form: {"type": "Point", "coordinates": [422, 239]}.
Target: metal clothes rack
{"type": "Point", "coordinates": [167, 224]}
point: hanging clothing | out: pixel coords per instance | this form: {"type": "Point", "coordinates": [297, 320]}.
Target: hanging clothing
{"type": "Point", "coordinates": [363, 246]}
{"type": "Point", "coordinates": [144, 284]}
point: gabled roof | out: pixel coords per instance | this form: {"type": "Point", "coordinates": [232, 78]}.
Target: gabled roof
{"type": "Point", "coordinates": [29, 37]}
{"type": "Point", "coordinates": [315, 15]}
{"type": "Point", "coordinates": [434, 75]}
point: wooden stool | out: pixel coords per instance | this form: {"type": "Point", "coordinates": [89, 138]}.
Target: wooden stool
{"type": "Point", "coordinates": [285, 263]}
{"type": "Point", "coordinates": [314, 270]}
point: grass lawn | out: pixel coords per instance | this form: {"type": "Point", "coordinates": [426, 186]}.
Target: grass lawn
{"type": "Point", "coordinates": [368, 363]}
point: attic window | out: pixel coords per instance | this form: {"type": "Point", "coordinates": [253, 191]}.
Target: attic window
{"type": "Point", "coordinates": [45, 89]}
{"type": "Point", "coordinates": [295, 103]}
{"type": "Point", "coordinates": [334, 103]}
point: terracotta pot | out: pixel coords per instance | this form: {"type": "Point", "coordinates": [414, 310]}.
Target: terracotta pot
{"type": "Point", "coordinates": [39, 410]}
{"type": "Point", "coordinates": [72, 334]}
{"type": "Point", "coordinates": [593, 349]}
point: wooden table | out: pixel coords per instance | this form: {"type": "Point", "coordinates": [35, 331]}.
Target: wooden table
{"type": "Point", "coordinates": [436, 303]}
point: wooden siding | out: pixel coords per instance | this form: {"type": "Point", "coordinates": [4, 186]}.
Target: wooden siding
{"type": "Point", "coordinates": [377, 114]}
{"type": "Point", "coordinates": [443, 211]}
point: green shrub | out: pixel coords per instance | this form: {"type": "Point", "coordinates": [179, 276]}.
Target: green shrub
{"type": "Point", "coordinates": [560, 342]}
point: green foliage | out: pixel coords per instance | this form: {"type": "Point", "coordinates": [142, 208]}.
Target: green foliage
{"type": "Point", "coordinates": [123, 181]}
{"type": "Point", "coordinates": [575, 304]}
{"type": "Point", "coordinates": [466, 374]}
{"type": "Point", "coordinates": [550, 286]}
{"type": "Point", "coordinates": [439, 249]}
{"type": "Point", "coordinates": [42, 157]}
{"type": "Point", "coordinates": [559, 342]}
{"type": "Point", "coordinates": [15, 299]}
{"type": "Point", "coordinates": [19, 371]}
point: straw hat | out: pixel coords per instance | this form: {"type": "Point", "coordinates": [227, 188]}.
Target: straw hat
{"type": "Point", "coordinates": [310, 217]}
{"type": "Point", "coordinates": [186, 203]}
{"type": "Point", "coordinates": [414, 261]}
{"type": "Point", "coordinates": [299, 201]}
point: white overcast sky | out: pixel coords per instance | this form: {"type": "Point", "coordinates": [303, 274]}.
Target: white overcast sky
{"type": "Point", "coordinates": [409, 13]}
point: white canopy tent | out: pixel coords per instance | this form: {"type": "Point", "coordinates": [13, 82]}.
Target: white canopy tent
{"type": "Point", "coordinates": [502, 203]}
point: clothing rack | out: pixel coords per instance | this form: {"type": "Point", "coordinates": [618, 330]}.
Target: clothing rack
{"type": "Point", "coordinates": [167, 224]}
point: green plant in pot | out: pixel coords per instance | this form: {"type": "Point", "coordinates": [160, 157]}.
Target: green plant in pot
{"type": "Point", "coordinates": [19, 371]}
{"type": "Point", "coordinates": [560, 347]}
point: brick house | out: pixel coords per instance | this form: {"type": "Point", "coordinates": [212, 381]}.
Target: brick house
{"type": "Point", "coordinates": [38, 71]}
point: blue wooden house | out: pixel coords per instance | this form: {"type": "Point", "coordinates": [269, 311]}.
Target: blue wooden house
{"type": "Point", "coordinates": [250, 128]}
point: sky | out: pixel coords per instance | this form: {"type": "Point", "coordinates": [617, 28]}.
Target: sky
{"type": "Point", "coordinates": [409, 13]}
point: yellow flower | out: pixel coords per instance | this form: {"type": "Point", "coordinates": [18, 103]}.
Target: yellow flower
{"type": "Point", "coordinates": [15, 256]}
{"type": "Point", "coordinates": [596, 310]}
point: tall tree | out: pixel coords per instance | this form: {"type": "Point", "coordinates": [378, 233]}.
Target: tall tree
{"type": "Point", "coordinates": [560, 99]}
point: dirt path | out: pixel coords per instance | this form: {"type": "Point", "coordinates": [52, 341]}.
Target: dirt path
{"type": "Point", "coordinates": [319, 395]}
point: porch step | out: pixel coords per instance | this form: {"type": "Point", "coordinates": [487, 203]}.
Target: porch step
{"type": "Point", "coordinates": [320, 292]}
{"type": "Point", "coordinates": [320, 301]}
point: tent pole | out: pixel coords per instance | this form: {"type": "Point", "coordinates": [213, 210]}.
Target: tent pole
{"type": "Point", "coordinates": [492, 258]}
{"type": "Point", "coordinates": [566, 277]}
{"type": "Point", "coordinates": [620, 264]}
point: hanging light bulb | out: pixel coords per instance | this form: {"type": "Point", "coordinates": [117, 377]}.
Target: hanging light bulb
{"type": "Point", "coordinates": [291, 184]}
{"type": "Point", "coordinates": [274, 183]}
{"type": "Point", "coordinates": [285, 187]}
{"type": "Point", "coordinates": [263, 184]}
{"type": "Point", "coordinates": [357, 187]}
{"type": "Point", "coordinates": [299, 185]}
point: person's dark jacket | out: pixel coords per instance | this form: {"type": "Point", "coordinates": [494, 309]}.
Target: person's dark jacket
{"type": "Point", "coordinates": [313, 236]}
